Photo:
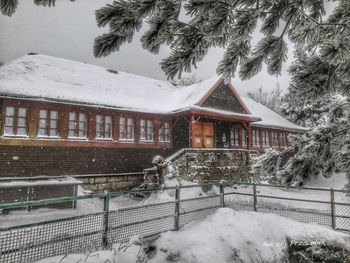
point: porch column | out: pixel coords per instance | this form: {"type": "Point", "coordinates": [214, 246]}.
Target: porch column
{"type": "Point", "coordinates": [250, 138]}
{"type": "Point", "coordinates": [191, 132]}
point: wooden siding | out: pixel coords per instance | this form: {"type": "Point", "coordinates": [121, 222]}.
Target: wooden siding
{"type": "Point", "coordinates": [90, 141]}
{"type": "Point", "coordinates": [181, 135]}
{"type": "Point", "coordinates": [223, 98]}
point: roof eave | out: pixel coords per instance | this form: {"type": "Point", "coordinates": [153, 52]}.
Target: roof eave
{"type": "Point", "coordinates": [302, 129]}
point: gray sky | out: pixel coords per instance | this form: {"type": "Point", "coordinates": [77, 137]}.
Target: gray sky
{"type": "Point", "coordinates": [68, 30]}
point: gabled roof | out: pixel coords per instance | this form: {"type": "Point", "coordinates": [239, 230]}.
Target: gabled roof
{"type": "Point", "coordinates": [46, 78]}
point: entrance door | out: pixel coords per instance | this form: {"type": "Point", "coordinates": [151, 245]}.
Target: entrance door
{"type": "Point", "coordinates": [208, 134]}
{"type": "Point", "coordinates": [203, 135]}
{"type": "Point", "coordinates": [197, 134]}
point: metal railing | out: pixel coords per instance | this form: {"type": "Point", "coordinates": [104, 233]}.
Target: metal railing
{"type": "Point", "coordinates": [30, 242]}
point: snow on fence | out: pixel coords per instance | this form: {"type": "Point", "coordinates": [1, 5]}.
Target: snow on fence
{"type": "Point", "coordinates": [31, 242]}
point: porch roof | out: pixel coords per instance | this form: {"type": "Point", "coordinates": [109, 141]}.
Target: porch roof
{"type": "Point", "coordinates": [212, 113]}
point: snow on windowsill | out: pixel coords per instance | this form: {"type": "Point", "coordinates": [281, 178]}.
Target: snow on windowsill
{"type": "Point", "coordinates": [127, 140]}
{"type": "Point", "coordinates": [15, 136]}
{"type": "Point", "coordinates": [77, 138]}
{"type": "Point", "coordinates": [146, 141]}
{"type": "Point", "coordinates": [103, 139]}
{"type": "Point", "coordinates": [48, 137]}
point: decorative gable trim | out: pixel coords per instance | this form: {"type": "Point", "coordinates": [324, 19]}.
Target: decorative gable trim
{"type": "Point", "coordinates": [205, 97]}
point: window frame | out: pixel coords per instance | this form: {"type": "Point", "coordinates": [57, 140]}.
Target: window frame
{"type": "Point", "coordinates": [274, 139]}
{"type": "Point", "coordinates": [77, 122]}
{"type": "Point", "coordinates": [48, 120]}
{"type": "Point", "coordinates": [126, 128]}
{"type": "Point", "coordinates": [164, 130]}
{"type": "Point", "coordinates": [256, 139]}
{"type": "Point", "coordinates": [244, 135]}
{"type": "Point", "coordinates": [283, 140]}
{"type": "Point", "coordinates": [147, 133]}
{"type": "Point", "coordinates": [235, 137]}
{"type": "Point", "coordinates": [15, 124]}
{"type": "Point", "coordinates": [104, 124]}
{"type": "Point", "coordinates": [265, 139]}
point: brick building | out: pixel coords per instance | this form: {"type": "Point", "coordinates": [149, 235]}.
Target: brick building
{"type": "Point", "coordinates": [61, 117]}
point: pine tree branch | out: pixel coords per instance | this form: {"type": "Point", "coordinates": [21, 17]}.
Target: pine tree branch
{"type": "Point", "coordinates": [186, 24]}
{"type": "Point", "coordinates": [288, 23]}
{"type": "Point", "coordinates": [330, 75]}
{"type": "Point", "coordinates": [318, 23]}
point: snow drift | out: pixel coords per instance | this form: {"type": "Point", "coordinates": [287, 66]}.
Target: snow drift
{"type": "Point", "coordinates": [226, 236]}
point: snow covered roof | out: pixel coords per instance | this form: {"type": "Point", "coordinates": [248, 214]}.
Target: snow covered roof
{"type": "Point", "coordinates": [268, 117]}
{"type": "Point", "coordinates": [47, 78]}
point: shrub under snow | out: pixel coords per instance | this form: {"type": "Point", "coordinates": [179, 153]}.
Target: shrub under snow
{"type": "Point", "coordinates": [227, 236]}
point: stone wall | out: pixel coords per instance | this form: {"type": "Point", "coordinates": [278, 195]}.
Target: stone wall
{"type": "Point", "coordinates": [111, 182]}
{"type": "Point", "coordinates": [209, 165]}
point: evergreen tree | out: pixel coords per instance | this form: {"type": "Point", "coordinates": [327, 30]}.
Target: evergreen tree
{"type": "Point", "coordinates": [229, 24]}
{"type": "Point", "coordinates": [322, 150]}
{"type": "Point", "coordinates": [321, 67]}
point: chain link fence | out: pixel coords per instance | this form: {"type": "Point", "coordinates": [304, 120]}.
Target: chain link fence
{"type": "Point", "coordinates": [31, 242]}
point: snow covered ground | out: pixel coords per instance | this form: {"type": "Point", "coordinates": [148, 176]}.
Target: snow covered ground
{"type": "Point", "coordinates": [96, 205]}
{"type": "Point", "coordinates": [337, 182]}
{"type": "Point", "coordinates": [226, 236]}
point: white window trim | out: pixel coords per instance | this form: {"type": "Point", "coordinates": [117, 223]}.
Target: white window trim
{"type": "Point", "coordinates": [146, 129]}
{"type": "Point", "coordinates": [15, 122]}
{"type": "Point", "coordinates": [104, 138]}
{"type": "Point", "coordinates": [48, 137]}
{"type": "Point", "coordinates": [265, 139]}
{"type": "Point", "coordinates": [170, 133]}
{"type": "Point", "coordinates": [77, 138]}
{"type": "Point", "coordinates": [127, 140]}
{"type": "Point", "coordinates": [9, 135]}
{"type": "Point", "coordinates": [126, 130]}
{"type": "Point", "coordinates": [258, 140]}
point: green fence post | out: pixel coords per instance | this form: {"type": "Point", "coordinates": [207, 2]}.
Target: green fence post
{"type": "Point", "coordinates": [105, 221]}
{"type": "Point", "coordinates": [332, 209]}
{"type": "Point", "coordinates": [222, 195]}
{"type": "Point", "coordinates": [177, 208]}
{"type": "Point", "coordinates": [254, 198]}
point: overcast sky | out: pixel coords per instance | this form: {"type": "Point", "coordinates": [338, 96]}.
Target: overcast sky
{"type": "Point", "coordinates": [68, 30]}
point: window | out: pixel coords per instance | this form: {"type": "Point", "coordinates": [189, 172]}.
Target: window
{"type": "Point", "coordinates": [265, 139]}
{"type": "Point", "coordinates": [274, 139]}
{"type": "Point", "coordinates": [103, 127]}
{"type": "Point", "coordinates": [163, 132]}
{"type": "Point", "coordinates": [126, 129]}
{"type": "Point", "coordinates": [130, 133]}
{"type": "Point", "coordinates": [22, 121]}
{"type": "Point", "coordinates": [10, 120]}
{"type": "Point", "coordinates": [234, 137]}
{"type": "Point", "coordinates": [244, 138]}
{"type": "Point", "coordinates": [150, 130]}
{"type": "Point", "coordinates": [146, 130]}
{"type": "Point", "coordinates": [15, 121]}
{"type": "Point", "coordinates": [283, 139]}
{"type": "Point", "coordinates": [48, 123]}
{"type": "Point", "coordinates": [122, 130]}
{"type": "Point", "coordinates": [77, 125]}
{"type": "Point", "coordinates": [256, 138]}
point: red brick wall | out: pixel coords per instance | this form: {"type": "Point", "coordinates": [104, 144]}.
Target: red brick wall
{"type": "Point", "coordinates": [34, 160]}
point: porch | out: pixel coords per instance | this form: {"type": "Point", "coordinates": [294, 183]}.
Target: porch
{"type": "Point", "coordinates": [208, 129]}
